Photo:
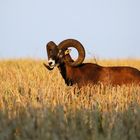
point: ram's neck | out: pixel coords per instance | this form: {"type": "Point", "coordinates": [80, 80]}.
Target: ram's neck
{"type": "Point", "coordinates": [65, 71]}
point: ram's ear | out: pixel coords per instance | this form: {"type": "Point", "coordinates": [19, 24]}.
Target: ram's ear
{"type": "Point", "coordinates": [67, 51]}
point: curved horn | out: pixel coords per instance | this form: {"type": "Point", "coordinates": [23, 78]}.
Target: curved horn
{"type": "Point", "coordinates": [77, 45]}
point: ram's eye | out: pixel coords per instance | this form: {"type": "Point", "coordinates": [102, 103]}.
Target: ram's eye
{"type": "Point", "coordinates": [50, 50]}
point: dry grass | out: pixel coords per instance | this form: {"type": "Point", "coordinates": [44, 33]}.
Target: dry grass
{"type": "Point", "coordinates": [35, 104]}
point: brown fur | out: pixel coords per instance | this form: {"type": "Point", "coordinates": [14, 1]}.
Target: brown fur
{"type": "Point", "coordinates": [89, 73]}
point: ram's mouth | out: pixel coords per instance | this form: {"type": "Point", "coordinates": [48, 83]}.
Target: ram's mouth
{"type": "Point", "coordinates": [52, 66]}
{"type": "Point", "coordinates": [48, 67]}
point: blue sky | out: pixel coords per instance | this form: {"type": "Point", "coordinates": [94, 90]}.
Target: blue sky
{"type": "Point", "coordinates": [106, 28]}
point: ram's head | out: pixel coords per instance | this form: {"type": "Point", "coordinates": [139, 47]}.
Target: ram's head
{"type": "Point", "coordinates": [59, 54]}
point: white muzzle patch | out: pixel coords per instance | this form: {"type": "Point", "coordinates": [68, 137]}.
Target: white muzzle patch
{"type": "Point", "coordinates": [51, 63]}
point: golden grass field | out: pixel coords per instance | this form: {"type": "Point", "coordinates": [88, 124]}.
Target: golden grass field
{"type": "Point", "coordinates": [35, 104]}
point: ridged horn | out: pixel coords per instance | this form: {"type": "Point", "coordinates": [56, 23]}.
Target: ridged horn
{"type": "Point", "coordinates": [64, 45]}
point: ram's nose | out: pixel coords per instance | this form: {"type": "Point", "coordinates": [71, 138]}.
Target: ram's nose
{"type": "Point", "coordinates": [51, 62]}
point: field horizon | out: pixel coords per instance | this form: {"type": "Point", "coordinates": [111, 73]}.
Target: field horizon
{"type": "Point", "coordinates": [36, 104]}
